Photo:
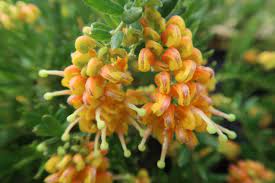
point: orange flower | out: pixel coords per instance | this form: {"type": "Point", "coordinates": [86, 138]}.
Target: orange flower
{"type": "Point", "coordinates": [177, 20]}
{"type": "Point", "coordinates": [145, 59]}
{"type": "Point", "coordinates": [181, 80]}
{"type": "Point", "coordinates": [186, 73]}
{"type": "Point", "coordinates": [95, 86]}
{"type": "Point", "coordinates": [79, 167]}
{"type": "Point", "coordinates": [203, 74]}
{"type": "Point", "coordinates": [249, 171]}
{"type": "Point", "coordinates": [75, 101]}
{"type": "Point", "coordinates": [113, 75]}
{"type": "Point", "coordinates": [162, 80]}
{"type": "Point", "coordinates": [185, 46]}
{"type": "Point", "coordinates": [94, 66]}
{"type": "Point", "coordinates": [169, 117]}
{"type": "Point", "coordinates": [182, 93]}
{"type": "Point", "coordinates": [150, 34]}
{"type": "Point", "coordinates": [172, 57]}
{"type": "Point", "coordinates": [196, 56]}
{"type": "Point", "coordinates": [156, 48]}
{"type": "Point", "coordinates": [171, 37]}
{"type": "Point", "coordinates": [96, 92]}
{"type": "Point", "coordinates": [179, 106]}
{"type": "Point", "coordinates": [161, 105]}
{"type": "Point", "coordinates": [15, 15]}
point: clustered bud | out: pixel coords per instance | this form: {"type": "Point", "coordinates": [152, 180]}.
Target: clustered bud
{"type": "Point", "coordinates": [181, 105]}
{"type": "Point", "coordinates": [249, 171]}
{"type": "Point", "coordinates": [11, 15]}
{"type": "Point", "coordinates": [95, 83]}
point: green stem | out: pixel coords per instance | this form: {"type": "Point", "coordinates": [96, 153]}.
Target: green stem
{"type": "Point", "coordinates": [119, 27]}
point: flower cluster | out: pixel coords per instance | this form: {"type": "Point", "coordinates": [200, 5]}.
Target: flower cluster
{"type": "Point", "coordinates": [266, 58]}
{"type": "Point", "coordinates": [86, 166]}
{"type": "Point", "coordinates": [181, 105]}
{"type": "Point", "coordinates": [249, 171]}
{"type": "Point", "coordinates": [95, 83]}
{"type": "Point", "coordinates": [11, 15]}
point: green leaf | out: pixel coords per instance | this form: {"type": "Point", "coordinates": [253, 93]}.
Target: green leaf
{"type": "Point", "coordinates": [122, 2]}
{"type": "Point", "coordinates": [105, 6]}
{"type": "Point", "coordinates": [168, 6]}
{"type": "Point", "coordinates": [153, 3]}
{"type": "Point", "coordinates": [101, 35]}
{"type": "Point", "coordinates": [117, 39]}
{"type": "Point", "coordinates": [131, 15]}
{"type": "Point", "coordinates": [99, 25]}
{"type": "Point", "coordinates": [100, 31]}
{"type": "Point", "coordinates": [184, 157]}
{"type": "Point", "coordinates": [49, 127]}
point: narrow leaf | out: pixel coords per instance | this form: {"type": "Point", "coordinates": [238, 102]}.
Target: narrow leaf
{"type": "Point", "coordinates": [131, 15]}
{"type": "Point", "coordinates": [105, 6]}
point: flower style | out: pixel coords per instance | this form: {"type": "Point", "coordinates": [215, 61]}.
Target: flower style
{"type": "Point", "coordinates": [249, 171]}
{"type": "Point", "coordinates": [88, 166]}
{"type": "Point", "coordinates": [95, 83]}
{"type": "Point", "coordinates": [181, 105]}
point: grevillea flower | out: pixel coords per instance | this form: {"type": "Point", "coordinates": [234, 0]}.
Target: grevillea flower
{"type": "Point", "coordinates": [180, 104]}
{"type": "Point", "coordinates": [94, 85]}
{"type": "Point", "coordinates": [13, 14]}
{"type": "Point", "coordinates": [178, 107]}
{"type": "Point", "coordinates": [249, 172]}
{"type": "Point", "coordinates": [265, 58]}
{"type": "Point", "coordinates": [86, 165]}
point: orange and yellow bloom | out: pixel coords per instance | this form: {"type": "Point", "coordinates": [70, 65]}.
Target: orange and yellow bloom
{"type": "Point", "coordinates": [178, 107]}
{"type": "Point", "coordinates": [180, 104]}
{"type": "Point", "coordinates": [95, 89]}
{"type": "Point", "coordinates": [13, 14]}
{"type": "Point", "coordinates": [249, 172]}
{"type": "Point", "coordinates": [87, 167]}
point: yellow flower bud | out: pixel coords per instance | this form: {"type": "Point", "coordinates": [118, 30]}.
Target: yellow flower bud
{"type": "Point", "coordinates": [172, 57]}
{"type": "Point", "coordinates": [177, 20]}
{"type": "Point", "coordinates": [155, 47]}
{"type": "Point", "coordinates": [162, 80]}
{"type": "Point", "coordinates": [51, 164]}
{"type": "Point", "coordinates": [95, 86]}
{"type": "Point", "coordinates": [84, 43]}
{"type": "Point", "coordinates": [77, 85]}
{"type": "Point", "coordinates": [145, 59]}
{"type": "Point", "coordinates": [79, 59]}
{"type": "Point", "coordinates": [171, 37]}
{"type": "Point", "coordinates": [150, 34]}
{"type": "Point", "coordinates": [94, 66]}
{"type": "Point", "coordinates": [186, 73]}
{"type": "Point", "coordinates": [64, 162]}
